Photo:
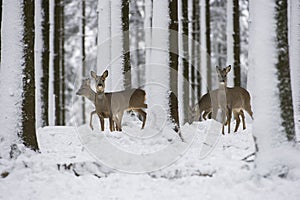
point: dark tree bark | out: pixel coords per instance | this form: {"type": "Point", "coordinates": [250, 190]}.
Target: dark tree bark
{"type": "Point", "coordinates": [126, 48]}
{"type": "Point", "coordinates": [63, 83]}
{"type": "Point", "coordinates": [45, 63]}
{"type": "Point", "coordinates": [56, 62]}
{"type": "Point", "coordinates": [83, 54]}
{"type": "Point", "coordinates": [236, 43]}
{"type": "Point", "coordinates": [208, 45]}
{"type": "Point", "coordinates": [28, 131]}
{"type": "Point", "coordinates": [185, 49]}
{"type": "Point", "coordinates": [198, 50]}
{"type": "Point", "coordinates": [195, 75]}
{"type": "Point", "coordinates": [283, 67]}
{"type": "Point", "coordinates": [173, 49]}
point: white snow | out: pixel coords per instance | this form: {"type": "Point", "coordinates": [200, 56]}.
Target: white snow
{"type": "Point", "coordinates": [222, 174]}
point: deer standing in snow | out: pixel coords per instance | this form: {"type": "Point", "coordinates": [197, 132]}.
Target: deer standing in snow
{"type": "Point", "coordinates": [113, 104]}
{"type": "Point", "coordinates": [86, 91]}
{"type": "Point", "coordinates": [229, 100]}
{"type": "Point", "coordinates": [203, 109]}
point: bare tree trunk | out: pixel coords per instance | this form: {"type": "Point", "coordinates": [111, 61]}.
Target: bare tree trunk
{"type": "Point", "coordinates": [196, 52]}
{"type": "Point", "coordinates": [283, 69]}
{"type": "Point", "coordinates": [208, 45]}
{"type": "Point", "coordinates": [62, 50]}
{"type": "Point", "coordinates": [236, 43]}
{"type": "Point", "coordinates": [28, 131]}
{"type": "Point", "coordinates": [294, 51]}
{"type": "Point", "coordinates": [56, 62]}
{"type": "Point", "coordinates": [45, 63]}
{"type": "Point", "coordinates": [83, 54]}
{"type": "Point", "coordinates": [173, 54]}
{"type": "Point", "coordinates": [185, 59]}
{"type": "Point", "coordinates": [126, 48]}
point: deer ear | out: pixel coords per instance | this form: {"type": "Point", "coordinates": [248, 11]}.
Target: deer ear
{"type": "Point", "coordinates": [228, 68]}
{"type": "Point", "coordinates": [93, 74]}
{"type": "Point", "coordinates": [105, 74]}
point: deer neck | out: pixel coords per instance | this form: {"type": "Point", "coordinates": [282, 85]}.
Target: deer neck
{"type": "Point", "coordinates": [222, 85]}
{"type": "Point", "coordinates": [100, 96]}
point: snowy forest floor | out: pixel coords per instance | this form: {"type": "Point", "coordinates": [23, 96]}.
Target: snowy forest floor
{"type": "Point", "coordinates": [65, 170]}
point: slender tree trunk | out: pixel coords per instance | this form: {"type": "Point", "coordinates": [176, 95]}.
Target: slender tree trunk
{"type": "Point", "coordinates": [126, 42]}
{"type": "Point", "coordinates": [63, 75]}
{"type": "Point", "coordinates": [294, 51]}
{"type": "Point", "coordinates": [196, 51]}
{"type": "Point", "coordinates": [173, 42]}
{"type": "Point", "coordinates": [83, 54]}
{"type": "Point", "coordinates": [45, 63]}
{"type": "Point", "coordinates": [283, 69]}
{"type": "Point", "coordinates": [208, 45]}
{"type": "Point", "coordinates": [185, 59]}
{"type": "Point", "coordinates": [173, 56]}
{"type": "Point", "coordinates": [56, 62]}
{"type": "Point", "coordinates": [28, 102]}
{"type": "Point", "coordinates": [236, 43]}
{"type": "Point", "coordinates": [193, 56]}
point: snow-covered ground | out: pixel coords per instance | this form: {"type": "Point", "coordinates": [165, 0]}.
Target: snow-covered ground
{"type": "Point", "coordinates": [70, 166]}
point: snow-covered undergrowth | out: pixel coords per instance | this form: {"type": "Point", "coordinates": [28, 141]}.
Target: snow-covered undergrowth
{"type": "Point", "coordinates": [65, 169]}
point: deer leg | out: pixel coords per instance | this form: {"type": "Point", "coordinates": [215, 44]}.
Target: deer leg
{"type": "Point", "coordinates": [144, 115]}
{"type": "Point", "coordinates": [237, 119]}
{"type": "Point", "coordinates": [120, 116]}
{"type": "Point", "coordinates": [116, 120]}
{"type": "Point", "coordinates": [101, 122]}
{"type": "Point", "coordinates": [243, 119]}
{"type": "Point", "coordinates": [91, 119]}
{"type": "Point", "coordinates": [204, 116]}
{"type": "Point", "coordinates": [229, 114]}
{"type": "Point", "coordinates": [111, 124]}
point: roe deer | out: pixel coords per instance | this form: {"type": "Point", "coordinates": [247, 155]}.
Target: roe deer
{"type": "Point", "coordinates": [229, 100]}
{"type": "Point", "coordinates": [203, 109]}
{"type": "Point", "coordinates": [113, 104]}
{"type": "Point", "coordinates": [86, 91]}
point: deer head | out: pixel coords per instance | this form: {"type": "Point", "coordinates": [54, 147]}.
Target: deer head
{"type": "Point", "coordinates": [100, 81]}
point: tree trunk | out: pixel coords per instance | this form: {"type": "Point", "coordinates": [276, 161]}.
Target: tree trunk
{"type": "Point", "coordinates": [236, 43]}
{"type": "Point", "coordinates": [28, 132]}
{"type": "Point", "coordinates": [208, 45]}
{"type": "Point", "coordinates": [195, 75]}
{"type": "Point", "coordinates": [126, 42]}
{"type": "Point", "coordinates": [10, 75]}
{"type": "Point", "coordinates": [62, 58]}
{"type": "Point", "coordinates": [173, 45]}
{"type": "Point", "coordinates": [185, 59]}
{"type": "Point", "coordinates": [173, 54]}
{"type": "Point", "coordinates": [262, 81]}
{"type": "Point", "coordinates": [83, 54]}
{"type": "Point", "coordinates": [283, 69]}
{"type": "Point", "coordinates": [45, 63]}
{"type": "Point", "coordinates": [56, 62]}
{"type": "Point", "coordinates": [294, 51]}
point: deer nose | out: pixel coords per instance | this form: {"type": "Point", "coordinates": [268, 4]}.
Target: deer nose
{"type": "Point", "coordinates": [100, 85]}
